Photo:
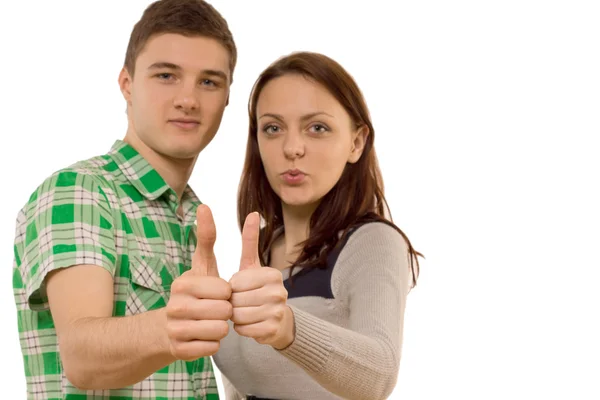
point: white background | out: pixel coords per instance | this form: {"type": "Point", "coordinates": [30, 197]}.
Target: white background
{"type": "Point", "coordinates": [487, 120]}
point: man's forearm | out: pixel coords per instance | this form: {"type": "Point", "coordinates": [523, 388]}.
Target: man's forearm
{"type": "Point", "coordinates": [114, 352]}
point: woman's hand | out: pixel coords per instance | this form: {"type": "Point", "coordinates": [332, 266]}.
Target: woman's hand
{"type": "Point", "coordinates": [259, 299]}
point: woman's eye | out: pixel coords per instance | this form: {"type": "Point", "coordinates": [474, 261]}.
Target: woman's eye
{"type": "Point", "coordinates": [318, 128]}
{"type": "Point", "coordinates": [271, 129]}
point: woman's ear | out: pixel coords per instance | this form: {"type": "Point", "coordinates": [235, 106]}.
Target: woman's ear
{"type": "Point", "coordinates": [359, 138]}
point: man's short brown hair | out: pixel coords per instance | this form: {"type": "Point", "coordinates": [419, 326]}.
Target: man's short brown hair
{"type": "Point", "coordinates": [184, 17]}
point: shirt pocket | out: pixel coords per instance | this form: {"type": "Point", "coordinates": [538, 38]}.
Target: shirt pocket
{"type": "Point", "coordinates": [150, 284]}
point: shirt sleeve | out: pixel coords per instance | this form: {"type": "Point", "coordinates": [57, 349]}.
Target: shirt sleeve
{"type": "Point", "coordinates": [371, 278]}
{"type": "Point", "coordinates": [67, 221]}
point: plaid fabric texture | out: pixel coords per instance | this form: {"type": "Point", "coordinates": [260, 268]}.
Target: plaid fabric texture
{"type": "Point", "coordinates": [114, 211]}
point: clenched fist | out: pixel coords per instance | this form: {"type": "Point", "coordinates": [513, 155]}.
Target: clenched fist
{"type": "Point", "coordinates": [259, 299]}
{"type": "Point", "coordinates": [199, 307]}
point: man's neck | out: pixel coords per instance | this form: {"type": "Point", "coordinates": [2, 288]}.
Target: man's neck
{"type": "Point", "coordinates": [176, 173]}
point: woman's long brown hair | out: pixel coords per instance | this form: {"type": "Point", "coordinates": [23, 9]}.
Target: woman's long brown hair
{"type": "Point", "coordinates": [357, 198]}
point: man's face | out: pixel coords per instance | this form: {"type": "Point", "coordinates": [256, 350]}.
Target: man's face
{"type": "Point", "coordinates": [178, 94]}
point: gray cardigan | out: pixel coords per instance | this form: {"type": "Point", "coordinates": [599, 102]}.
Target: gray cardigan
{"type": "Point", "coordinates": [349, 322]}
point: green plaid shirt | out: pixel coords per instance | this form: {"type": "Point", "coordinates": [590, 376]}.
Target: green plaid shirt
{"type": "Point", "coordinates": [114, 211]}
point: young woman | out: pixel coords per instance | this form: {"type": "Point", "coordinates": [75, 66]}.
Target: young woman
{"type": "Point", "coordinates": [323, 319]}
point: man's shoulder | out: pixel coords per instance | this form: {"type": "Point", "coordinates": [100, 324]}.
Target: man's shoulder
{"type": "Point", "coordinates": [94, 174]}
{"type": "Point", "coordinates": [100, 169]}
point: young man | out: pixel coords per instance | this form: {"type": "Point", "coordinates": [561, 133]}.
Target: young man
{"type": "Point", "coordinates": [114, 298]}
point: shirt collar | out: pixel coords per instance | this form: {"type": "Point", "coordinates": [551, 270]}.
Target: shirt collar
{"type": "Point", "coordinates": [147, 180]}
{"type": "Point", "coordinates": [138, 171]}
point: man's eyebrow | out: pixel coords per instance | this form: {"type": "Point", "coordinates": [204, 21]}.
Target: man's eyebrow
{"type": "Point", "coordinates": [163, 64]}
{"type": "Point", "coordinates": [168, 65]}
{"type": "Point", "coordinates": [303, 118]}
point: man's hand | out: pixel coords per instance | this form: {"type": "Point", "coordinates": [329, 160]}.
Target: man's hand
{"type": "Point", "coordinates": [259, 299]}
{"type": "Point", "coordinates": [199, 307]}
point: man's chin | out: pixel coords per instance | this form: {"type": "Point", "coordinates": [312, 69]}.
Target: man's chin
{"type": "Point", "coordinates": [177, 152]}
{"type": "Point", "coordinates": [181, 154]}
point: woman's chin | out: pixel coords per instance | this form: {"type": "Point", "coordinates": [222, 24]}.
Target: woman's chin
{"type": "Point", "coordinates": [294, 202]}
{"type": "Point", "coordinates": [300, 205]}
{"type": "Point", "coordinates": [295, 198]}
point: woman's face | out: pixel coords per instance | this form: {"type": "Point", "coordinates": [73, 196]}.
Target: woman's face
{"type": "Point", "coordinates": [305, 139]}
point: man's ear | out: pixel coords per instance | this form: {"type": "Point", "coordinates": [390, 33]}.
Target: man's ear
{"type": "Point", "coordinates": [358, 143]}
{"type": "Point", "coordinates": [229, 91]}
{"type": "Point", "coordinates": [125, 81]}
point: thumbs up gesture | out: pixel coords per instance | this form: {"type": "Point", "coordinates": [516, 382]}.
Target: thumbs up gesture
{"type": "Point", "coordinates": [199, 307]}
{"type": "Point", "coordinates": [259, 299]}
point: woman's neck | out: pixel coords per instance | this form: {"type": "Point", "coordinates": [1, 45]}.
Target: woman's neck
{"type": "Point", "coordinates": [296, 223]}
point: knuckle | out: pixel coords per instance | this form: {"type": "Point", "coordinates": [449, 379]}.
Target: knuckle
{"type": "Point", "coordinates": [283, 293]}
{"type": "Point", "coordinates": [179, 285]}
{"type": "Point", "coordinates": [235, 316]}
{"type": "Point", "coordinates": [178, 307]}
{"type": "Point", "coordinates": [243, 300]}
{"type": "Point", "coordinates": [178, 350]}
{"type": "Point", "coordinates": [272, 329]}
{"type": "Point", "coordinates": [171, 333]}
{"type": "Point", "coordinates": [233, 282]}
{"type": "Point", "coordinates": [222, 329]}
{"type": "Point", "coordinates": [177, 330]}
{"type": "Point", "coordinates": [274, 274]}
{"type": "Point", "coordinates": [277, 296]}
{"type": "Point", "coordinates": [218, 288]}
{"type": "Point", "coordinates": [227, 310]}
{"type": "Point", "coordinates": [234, 300]}
{"type": "Point", "coordinates": [279, 313]}
{"type": "Point", "coordinates": [237, 328]}
{"type": "Point", "coordinates": [227, 290]}
{"type": "Point", "coordinates": [240, 329]}
{"type": "Point", "coordinates": [169, 308]}
{"type": "Point", "coordinates": [272, 297]}
{"type": "Point", "coordinates": [262, 340]}
{"type": "Point", "coordinates": [212, 348]}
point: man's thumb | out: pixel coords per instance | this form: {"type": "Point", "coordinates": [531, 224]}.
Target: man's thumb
{"type": "Point", "coordinates": [204, 257]}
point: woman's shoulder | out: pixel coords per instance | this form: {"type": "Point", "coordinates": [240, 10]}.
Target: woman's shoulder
{"type": "Point", "coordinates": [373, 250]}
{"type": "Point", "coordinates": [374, 234]}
